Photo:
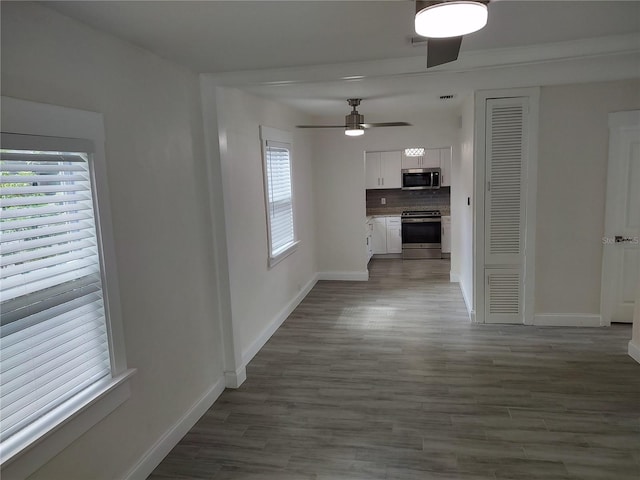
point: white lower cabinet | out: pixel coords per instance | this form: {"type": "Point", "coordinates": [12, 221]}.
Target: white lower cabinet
{"type": "Point", "coordinates": [379, 235]}
{"type": "Point", "coordinates": [369, 238]}
{"type": "Point", "coordinates": [387, 235]}
{"type": "Point", "coordinates": [446, 234]}
{"type": "Point", "coordinates": [394, 235]}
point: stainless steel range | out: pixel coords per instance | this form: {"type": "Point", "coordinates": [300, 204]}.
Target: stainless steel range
{"type": "Point", "coordinates": [421, 234]}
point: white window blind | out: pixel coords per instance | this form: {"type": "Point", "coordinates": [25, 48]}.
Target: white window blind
{"type": "Point", "coordinates": [280, 197]}
{"type": "Point", "coordinates": [53, 333]}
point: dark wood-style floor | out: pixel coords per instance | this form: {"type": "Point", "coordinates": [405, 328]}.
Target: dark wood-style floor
{"type": "Point", "coordinates": [387, 379]}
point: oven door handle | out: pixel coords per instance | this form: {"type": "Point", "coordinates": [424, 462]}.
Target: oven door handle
{"type": "Point", "coordinates": [421, 220]}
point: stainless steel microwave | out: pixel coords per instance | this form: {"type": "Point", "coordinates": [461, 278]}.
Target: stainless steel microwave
{"type": "Point", "coordinates": [420, 178]}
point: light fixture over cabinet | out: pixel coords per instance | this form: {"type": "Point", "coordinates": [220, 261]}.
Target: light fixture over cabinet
{"type": "Point", "coordinates": [444, 19]}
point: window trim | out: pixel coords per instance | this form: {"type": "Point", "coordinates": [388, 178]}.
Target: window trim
{"type": "Point", "coordinates": [273, 135]}
{"type": "Point", "coordinates": [27, 124]}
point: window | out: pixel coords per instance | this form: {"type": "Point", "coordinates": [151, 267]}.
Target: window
{"type": "Point", "coordinates": [52, 320]}
{"type": "Point", "coordinates": [278, 193]}
{"type": "Point", "coordinates": [60, 333]}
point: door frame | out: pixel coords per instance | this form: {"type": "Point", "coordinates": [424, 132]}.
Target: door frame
{"type": "Point", "coordinates": [618, 123]}
{"type": "Point", "coordinates": [531, 183]}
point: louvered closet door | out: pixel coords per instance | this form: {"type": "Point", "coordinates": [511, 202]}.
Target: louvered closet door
{"type": "Point", "coordinates": [505, 168]}
{"type": "Point", "coordinates": [506, 147]}
{"type": "Point", "coordinates": [503, 290]}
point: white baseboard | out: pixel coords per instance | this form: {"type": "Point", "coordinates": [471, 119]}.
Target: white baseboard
{"type": "Point", "coordinates": [454, 277]}
{"type": "Point", "coordinates": [467, 303]}
{"type": "Point", "coordinates": [152, 457]}
{"type": "Point", "coordinates": [266, 334]}
{"type": "Point", "coordinates": [235, 379]}
{"type": "Point", "coordinates": [567, 320]}
{"type": "Point", "coordinates": [634, 351]}
{"type": "Point", "coordinates": [345, 276]}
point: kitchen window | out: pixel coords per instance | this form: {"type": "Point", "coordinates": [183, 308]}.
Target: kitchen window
{"type": "Point", "coordinates": [278, 180]}
{"type": "Point", "coordinates": [61, 335]}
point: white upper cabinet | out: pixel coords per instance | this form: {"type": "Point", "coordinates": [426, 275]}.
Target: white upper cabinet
{"type": "Point", "coordinates": [390, 169]}
{"type": "Point", "coordinates": [383, 170]}
{"type": "Point", "coordinates": [445, 167]}
{"type": "Point", "coordinates": [411, 162]}
{"type": "Point", "coordinates": [431, 158]}
{"type": "Point", "coordinates": [372, 170]}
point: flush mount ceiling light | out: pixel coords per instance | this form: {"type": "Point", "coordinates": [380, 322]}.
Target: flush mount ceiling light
{"type": "Point", "coordinates": [446, 19]}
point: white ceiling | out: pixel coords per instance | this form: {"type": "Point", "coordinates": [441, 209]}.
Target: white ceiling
{"type": "Point", "coordinates": [300, 51]}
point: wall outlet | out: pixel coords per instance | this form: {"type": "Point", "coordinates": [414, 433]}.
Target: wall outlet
{"type": "Point", "coordinates": [383, 201]}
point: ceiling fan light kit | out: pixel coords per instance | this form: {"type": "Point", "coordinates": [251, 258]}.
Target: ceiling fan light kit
{"type": "Point", "coordinates": [450, 19]}
{"type": "Point", "coordinates": [353, 122]}
{"type": "Point", "coordinates": [354, 131]}
{"type": "Point", "coordinates": [354, 125]}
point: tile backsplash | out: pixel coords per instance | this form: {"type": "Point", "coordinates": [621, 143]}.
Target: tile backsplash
{"type": "Point", "coordinates": [398, 198]}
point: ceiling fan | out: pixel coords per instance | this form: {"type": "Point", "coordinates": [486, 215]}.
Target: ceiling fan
{"type": "Point", "coordinates": [354, 122]}
{"type": "Point", "coordinates": [443, 23]}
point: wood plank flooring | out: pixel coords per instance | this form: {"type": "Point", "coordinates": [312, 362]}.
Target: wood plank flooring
{"type": "Point", "coordinates": [387, 379]}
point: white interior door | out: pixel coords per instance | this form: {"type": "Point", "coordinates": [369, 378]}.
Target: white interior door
{"type": "Point", "coordinates": [621, 242]}
{"type": "Point", "coordinates": [506, 157]}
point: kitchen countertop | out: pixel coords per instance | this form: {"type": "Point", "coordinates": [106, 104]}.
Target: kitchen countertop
{"type": "Point", "coordinates": [395, 211]}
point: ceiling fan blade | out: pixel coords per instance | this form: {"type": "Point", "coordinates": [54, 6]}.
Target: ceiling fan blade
{"type": "Point", "coordinates": [442, 50]}
{"type": "Point", "coordinates": [354, 121]}
{"type": "Point", "coordinates": [320, 126]}
{"type": "Point", "coordinates": [386, 124]}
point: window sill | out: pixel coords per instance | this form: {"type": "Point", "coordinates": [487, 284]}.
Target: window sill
{"type": "Point", "coordinates": [274, 260]}
{"type": "Point", "coordinates": [28, 450]}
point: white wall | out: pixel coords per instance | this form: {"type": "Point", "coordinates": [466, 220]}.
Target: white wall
{"type": "Point", "coordinates": [462, 213]}
{"type": "Point", "coordinates": [339, 180]}
{"type": "Point", "coordinates": [260, 297]}
{"type": "Point", "coordinates": [161, 220]}
{"type": "Point", "coordinates": [572, 169]}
